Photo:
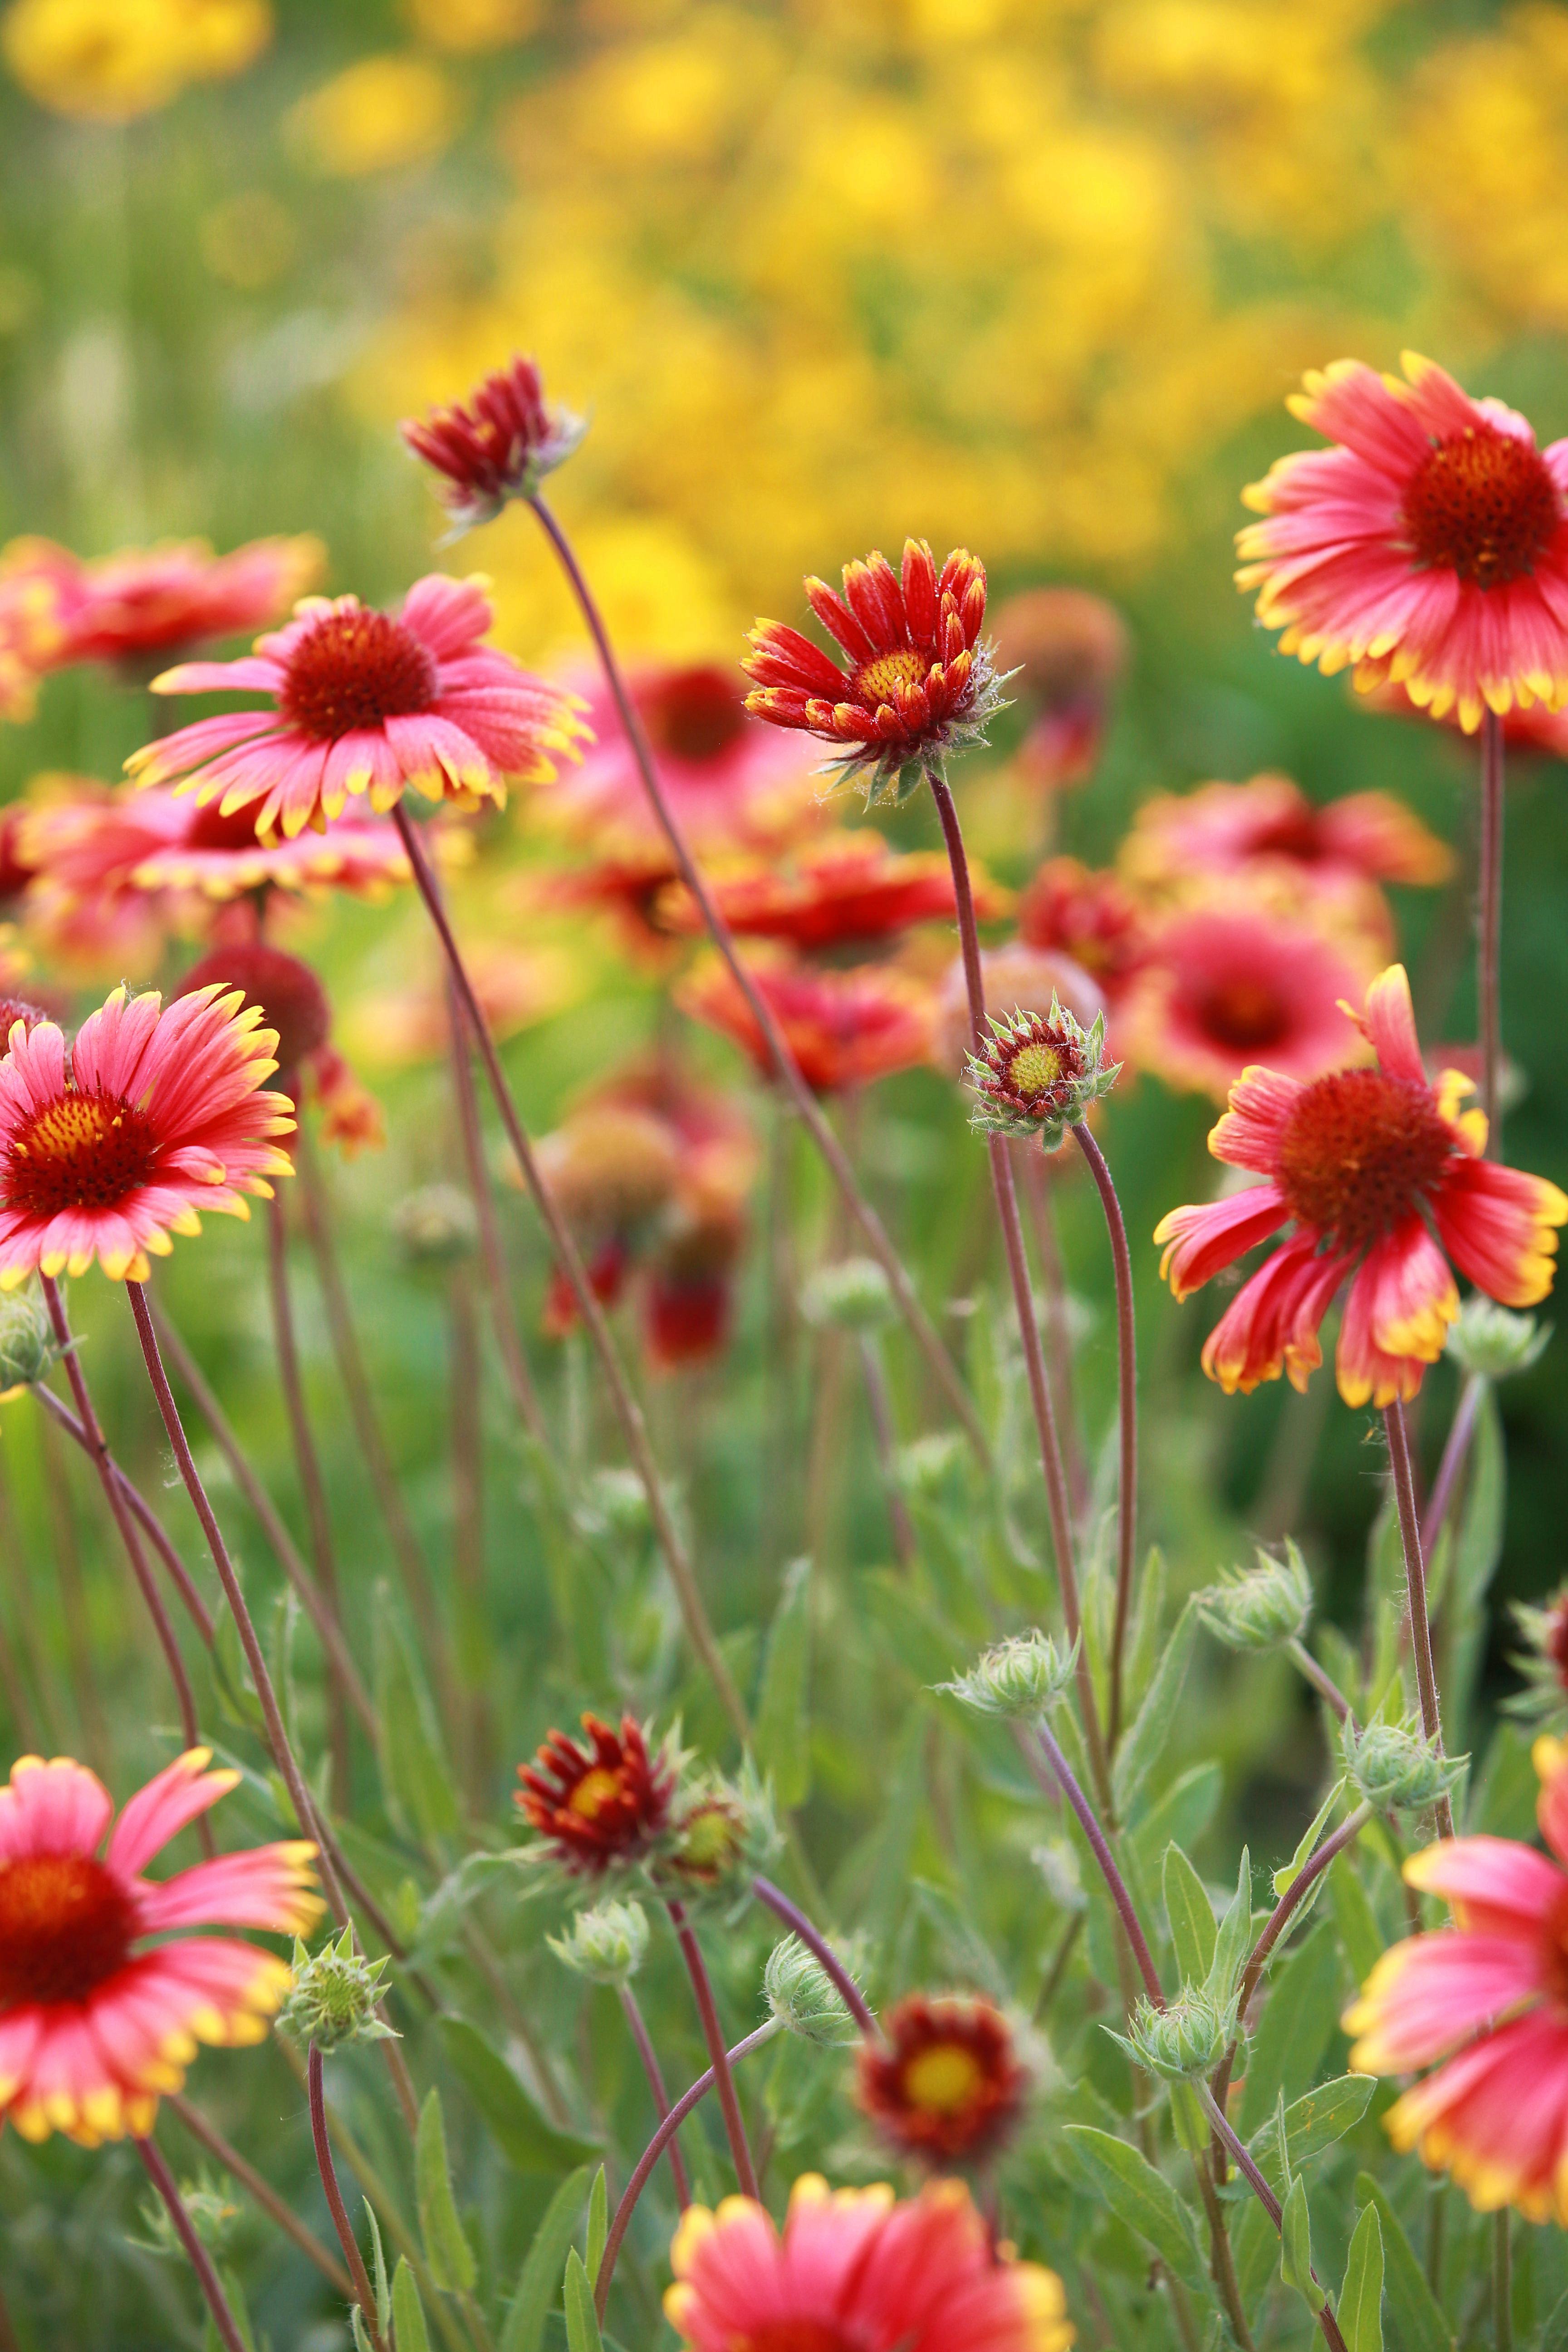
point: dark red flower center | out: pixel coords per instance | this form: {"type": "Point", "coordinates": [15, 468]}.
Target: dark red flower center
{"type": "Point", "coordinates": [1245, 1014]}
{"type": "Point", "coordinates": [695, 715]}
{"type": "Point", "coordinates": [65, 1927]}
{"type": "Point", "coordinates": [80, 1151]}
{"type": "Point", "coordinates": [1482, 504]}
{"type": "Point", "coordinates": [291, 998]}
{"type": "Point", "coordinates": [887, 675]}
{"type": "Point", "coordinates": [1359, 1152]}
{"type": "Point", "coordinates": [210, 829]}
{"type": "Point", "coordinates": [355, 669]}
{"type": "Point", "coordinates": [798, 2336]}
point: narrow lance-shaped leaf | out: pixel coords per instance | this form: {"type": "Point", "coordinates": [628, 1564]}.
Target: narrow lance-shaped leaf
{"type": "Point", "coordinates": [1234, 1938]}
{"type": "Point", "coordinates": [781, 1737]}
{"type": "Point", "coordinates": [1150, 1726]}
{"type": "Point", "coordinates": [1191, 1915]}
{"type": "Point", "coordinates": [582, 2320]}
{"type": "Point", "coordinates": [1296, 2248]}
{"type": "Point", "coordinates": [447, 2249]}
{"type": "Point", "coordinates": [407, 2310]}
{"type": "Point", "coordinates": [598, 2224]}
{"type": "Point", "coordinates": [383, 2291]}
{"type": "Point", "coordinates": [1359, 2314]}
{"type": "Point", "coordinates": [1142, 2197]}
{"type": "Point", "coordinates": [540, 2282]}
{"type": "Point", "coordinates": [1419, 2324]}
{"type": "Point", "coordinates": [520, 2131]}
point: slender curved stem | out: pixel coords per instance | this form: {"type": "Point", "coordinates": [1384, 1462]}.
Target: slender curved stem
{"type": "Point", "coordinates": [168, 2188]}
{"type": "Point", "coordinates": [697, 1969]}
{"type": "Point", "coordinates": [1112, 1877]}
{"type": "Point", "coordinates": [1322, 1682]}
{"type": "Point", "coordinates": [1266, 2198]}
{"type": "Point", "coordinates": [120, 1511]}
{"type": "Point", "coordinates": [1415, 1588]}
{"type": "Point", "coordinates": [365, 2295]}
{"type": "Point", "coordinates": [628, 1413]}
{"type": "Point", "coordinates": [654, 2073]}
{"type": "Point", "coordinates": [922, 1330]}
{"type": "Point", "coordinates": [1127, 1391]}
{"type": "Point", "coordinates": [1488, 929]}
{"type": "Point", "coordinates": [498, 1281]}
{"type": "Point", "coordinates": [1059, 1319]}
{"type": "Point", "coordinates": [143, 1513]}
{"type": "Point", "coordinates": [1006, 1194]}
{"type": "Point", "coordinates": [1461, 1432]}
{"type": "Point", "coordinates": [654, 2150]}
{"type": "Point", "coordinates": [266, 2196]}
{"type": "Point", "coordinates": [821, 1950]}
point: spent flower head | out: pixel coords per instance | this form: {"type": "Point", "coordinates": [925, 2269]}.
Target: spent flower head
{"type": "Point", "coordinates": [1492, 1341]}
{"type": "Point", "coordinates": [1262, 1607]}
{"type": "Point", "coordinates": [1183, 2040]}
{"type": "Point", "coordinates": [1023, 1676]}
{"type": "Point", "coordinates": [855, 1295]}
{"type": "Point", "coordinates": [333, 1995]}
{"type": "Point", "coordinates": [607, 1945]}
{"type": "Point", "coordinates": [1396, 1767]}
{"type": "Point", "coordinates": [1038, 1072]}
{"type": "Point", "coordinates": [27, 1343]}
{"type": "Point", "coordinates": [495, 446]}
{"type": "Point", "coordinates": [804, 1996]}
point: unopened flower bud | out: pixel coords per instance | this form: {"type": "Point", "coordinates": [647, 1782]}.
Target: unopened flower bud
{"type": "Point", "coordinates": [1185, 2040]}
{"type": "Point", "coordinates": [607, 1945]}
{"type": "Point", "coordinates": [497, 444]}
{"type": "Point", "coordinates": [1024, 1676]}
{"type": "Point", "coordinates": [1492, 1341]}
{"type": "Point", "coordinates": [333, 1996]}
{"type": "Point", "coordinates": [855, 1295]}
{"type": "Point", "coordinates": [27, 1347]}
{"type": "Point", "coordinates": [723, 1834]}
{"type": "Point", "coordinates": [1260, 1608]}
{"type": "Point", "coordinates": [804, 1996]}
{"type": "Point", "coordinates": [1038, 1072]}
{"type": "Point", "coordinates": [1393, 1767]}
{"type": "Point", "coordinates": [436, 1225]}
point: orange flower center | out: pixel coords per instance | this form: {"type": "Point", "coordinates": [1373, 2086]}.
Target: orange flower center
{"type": "Point", "coordinates": [64, 1926]}
{"type": "Point", "coordinates": [944, 2078]}
{"type": "Point", "coordinates": [887, 675]}
{"type": "Point", "coordinates": [694, 716]}
{"type": "Point", "coordinates": [352, 670]}
{"type": "Point", "coordinates": [1482, 504]}
{"type": "Point", "coordinates": [1358, 1152]}
{"type": "Point", "coordinates": [595, 1792]}
{"type": "Point", "coordinates": [80, 1151]}
{"type": "Point", "coordinates": [1246, 1014]}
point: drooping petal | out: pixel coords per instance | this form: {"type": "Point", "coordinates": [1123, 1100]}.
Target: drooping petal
{"type": "Point", "coordinates": [1200, 1240]}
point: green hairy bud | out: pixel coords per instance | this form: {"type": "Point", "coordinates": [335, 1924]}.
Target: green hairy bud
{"type": "Point", "coordinates": [436, 1225]}
{"type": "Point", "coordinates": [1021, 1677]}
{"type": "Point", "coordinates": [333, 1997]}
{"type": "Point", "coordinates": [1183, 2042]}
{"type": "Point", "coordinates": [1038, 1072]}
{"type": "Point", "coordinates": [804, 1996]}
{"type": "Point", "coordinates": [607, 1945]}
{"type": "Point", "coordinates": [723, 1834]}
{"type": "Point", "coordinates": [1260, 1608]}
{"type": "Point", "coordinates": [855, 1295]}
{"type": "Point", "coordinates": [1492, 1341]}
{"type": "Point", "coordinates": [1394, 1767]}
{"type": "Point", "coordinates": [27, 1346]}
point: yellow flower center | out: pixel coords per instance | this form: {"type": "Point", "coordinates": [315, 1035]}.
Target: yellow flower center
{"type": "Point", "coordinates": [943, 2078]}
{"type": "Point", "coordinates": [1035, 1069]}
{"type": "Point", "coordinates": [594, 1792]}
{"type": "Point", "coordinates": [882, 679]}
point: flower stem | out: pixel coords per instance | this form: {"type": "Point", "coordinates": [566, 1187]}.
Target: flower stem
{"type": "Point", "coordinates": [697, 1969]}
{"type": "Point", "coordinates": [498, 1282]}
{"type": "Point", "coordinates": [654, 2073]}
{"type": "Point", "coordinates": [1415, 1587]}
{"type": "Point", "coordinates": [1058, 1324]}
{"type": "Point", "coordinates": [1222, 2263]}
{"type": "Point", "coordinates": [365, 2295]}
{"type": "Point", "coordinates": [466, 1451]}
{"type": "Point", "coordinates": [264, 2194]}
{"type": "Point", "coordinates": [1024, 1297]}
{"type": "Point", "coordinates": [627, 1410]}
{"type": "Point", "coordinates": [1266, 2198]}
{"type": "Point", "coordinates": [654, 2150]}
{"type": "Point", "coordinates": [121, 1512]}
{"type": "Point", "coordinates": [207, 2279]}
{"type": "Point", "coordinates": [922, 1330]}
{"type": "Point", "coordinates": [141, 1512]}
{"type": "Point", "coordinates": [880, 1406]}
{"type": "Point", "coordinates": [1461, 1432]}
{"type": "Point", "coordinates": [849, 1992]}
{"type": "Point", "coordinates": [1488, 928]}
{"type": "Point", "coordinates": [1322, 1682]}
{"type": "Point", "coordinates": [1136, 1938]}
{"type": "Point", "coordinates": [1127, 1391]}
{"type": "Point", "coordinates": [1502, 2280]}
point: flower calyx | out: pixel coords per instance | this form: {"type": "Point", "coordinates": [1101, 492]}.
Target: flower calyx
{"type": "Point", "coordinates": [1490, 1342]}
{"type": "Point", "coordinates": [1022, 1678]}
{"type": "Point", "coordinates": [608, 1944]}
{"type": "Point", "coordinates": [1260, 1608]}
{"type": "Point", "coordinates": [1037, 1074]}
{"type": "Point", "coordinates": [1396, 1767]}
{"type": "Point", "coordinates": [333, 1997]}
{"type": "Point", "coordinates": [804, 1996]}
{"type": "Point", "coordinates": [1185, 2040]}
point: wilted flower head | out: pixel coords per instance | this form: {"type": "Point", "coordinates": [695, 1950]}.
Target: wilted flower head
{"type": "Point", "coordinates": [804, 1996]}
{"type": "Point", "coordinates": [1023, 1676]}
{"type": "Point", "coordinates": [1396, 1767]}
{"type": "Point", "coordinates": [945, 2085]}
{"type": "Point", "coordinates": [1038, 1072]}
{"type": "Point", "coordinates": [333, 1994]}
{"type": "Point", "coordinates": [28, 1345]}
{"type": "Point", "coordinates": [920, 682]}
{"type": "Point", "coordinates": [497, 444]}
{"type": "Point", "coordinates": [855, 1295]}
{"type": "Point", "coordinates": [1258, 1608]}
{"type": "Point", "coordinates": [602, 1805]}
{"type": "Point", "coordinates": [607, 1945]}
{"type": "Point", "coordinates": [1492, 1341]}
{"type": "Point", "coordinates": [436, 1225]}
{"type": "Point", "coordinates": [1185, 2039]}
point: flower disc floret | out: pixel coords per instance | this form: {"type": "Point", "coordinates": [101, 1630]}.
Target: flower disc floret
{"type": "Point", "coordinates": [1038, 1072]}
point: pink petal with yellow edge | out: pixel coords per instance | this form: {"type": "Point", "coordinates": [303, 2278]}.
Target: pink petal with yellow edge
{"type": "Point", "coordinates": [55, 1807]}
{"type": "Point", "coordinates": [1498, 1225]}
{"type": "Point", "coordinates": [1390, 1022]}
{"type": "Point", "coordinates": [1249, 1132]}
{"type": "Point", "coordinates": [1495, 1883]}
{"type": "Point", "coordinates": [1413, 1297]}
{"type": "Point", "coordinates": [1430, 1993]}
{"type": "Point", "coordinates": [159, 1811]}
{"type": "Point", "coordinates": [447, 614]}
{"type": "Point", "coordinates": [266, 1887]}
{"type": "Point", "coordinates": [1496, 2117]}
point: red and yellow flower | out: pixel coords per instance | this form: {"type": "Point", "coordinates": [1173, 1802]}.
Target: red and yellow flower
{"type": "Point", "coordinates": [830, 893]}
{"type": "Point", "coordinates": [1068, 648]}
{"type": "Point", "coordinates": [1090, 917]}
{"type": "Point", "coordinates": [844, 1027]}
{"type": "Point", "coordinates": [945, 2084]}
{"type": "Point", "coordinates": [1225, 829]}
{"type": "Point", "coordinates": [147, 604]}
{"type": "Point", "coordinates": [293, 1005]}
{"type": "Point", "coordinates": [600, 1806]}
{"type": "Point", "coordinates": [497, 444]}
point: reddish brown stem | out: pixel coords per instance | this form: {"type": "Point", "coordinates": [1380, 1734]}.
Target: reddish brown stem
{"type": "Point", "coordinates": [207, 2279]}
{"type": "Point", "coordinates": [264, 2195]}
{"type": "Point", "coordinates": [1454, 1452]}
{"type": "Point", "coordinates": [141, 1512]}
{"type": "Point", "coordinates": [702, 1989]}
{"type": "Point", "coordinates": [1126, 1392]}
{"type": "Point", "coordinates": [365, 2295]}
{"type": "Point", "coordinates": [1058, 1325]}
{"type": "Point", "coordinates": [1266, 2199]}
{"type": "Point", "coordinates": [849, 1992]}
{"type": "Point", "coordinates": [654, 2073]}
{"type": "Point", "coordinates": [1100, 1849]}
{"type": "Point", "coordinates": [1415, 1588]}
{"type": "Point", "coordinates": [497, 1279]}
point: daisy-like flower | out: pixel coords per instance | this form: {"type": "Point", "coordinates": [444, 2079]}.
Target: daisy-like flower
{"type": "Point", "coordinates": [1069, 648]}
{"type": "Point", "coordinates": [155, 1114]}
{"type": "Point", "coordinates": [188, 846]}
{"type": "Point", "coordinates": [844, 1027]}
{"type": "Point", "coordinates": [729, 781]}
{"type": "Point", "coordinates": [1380, 1175]}
{"type": "Point", "coordinates": [1225, 986]}
{"type": "Point", "coordinates": [921, 681]}
{"type": "Point", "coordinates": [945, 2084]}
{"type": "Point", "coordinates": [1428, 547]}
{"type": "Point", "coordinates": [147, 604]}
{"type": "Point", "coordinates": [365, 702]}
{"type": "Point", "coordinates": [856, 2270]}
{"type": "Point", "coordinates": [1092, 918]}
{"type": "Point", "coordinates": [599, 1806]}
{"type": "Point", "coordinates": [1038, 1072]}
{"type": "Point", "coordinates": [497, 443]}
{"type": "Point", "coordinates": [828, 893]}
{"type": "Point", "coordinates": [96, 2020]}
{"type": "Point", "coordinates": [1012, 975]}
{"type": "Point", "coordinates": [293, 1005]}
{"type": "Point", "coordinates": [1222, 829]}
{"type": "Point", "coordinates": [1488, 1998]}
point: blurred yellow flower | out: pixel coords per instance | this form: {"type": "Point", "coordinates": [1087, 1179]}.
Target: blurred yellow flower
{"type": "Point", "coordinates": [375, 116]}
{"type": "Point", "coordinates": [250, 239]}
{"type": "Point", "coordinates": [466, 26]}
{"type": "Point", "coordinates": [108, 60]}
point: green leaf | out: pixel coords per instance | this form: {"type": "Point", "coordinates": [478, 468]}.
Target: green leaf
{"type": "Point", "coordinates": [1148, 1623]}
{"type": "Point", "coordinates": [1183, 1811]}
{"type": "Point", "coordinates": [781, 1736]}
{"type": "Point", "coordinates": [358, 2329]}
{"type": "Point", "coordinates": [1285, 1879]}
{"type": "Point", "coordinates": [1359, 2314]}
{"type": "Point", "coordinates": [408, 2312]}
{"type": "Point", "coordinates": [582, 2319]}
{"type": "Point", "coordinates": [447, 2249]}
{"type": "Point", "coordinates": [1142, 2197]}
{"type": "Point", "coordinates": [1555, 2334]}
{"type": "Point", "coordinates": [1503, 1793]}
{"type": "Point", "coordinates": [598, 2224]}
{"type": "Point", "coordinates": [420, 1794]}
{"type": "Point", "coordinates": [1191, 1915]}
{"type": "Point", "coordinates": [1234, 1939]}
{"type": "Point", "coordinates": [515, 2124]}
{"type": "Point", "coordinates": [1477, 1550]}
{"type": "Point", "coordinates": [1417, 2323]}
{"type": "Point", "coordinates": [1150, 1726]}
{"type": "Point", "coordinates": [383, 2297]}
{"type": "Point", "coordinates": [1315, 2121]}
{"type": "Point", "coordinates": [1296, 2248]}
{"type": "Point", "coordinates": [1296, 2027]}
{"type": "Point", "coordinates": [1355, 1918]}
{"type": "Point", "coordinates": [540, 2277]}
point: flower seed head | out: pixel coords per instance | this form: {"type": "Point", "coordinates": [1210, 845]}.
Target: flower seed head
{"type": "Point", "coordinates": [1260, 1608]}
{"type": "Point", "coordinates": [333, 1995]}
{"type": "Point", "coordinates": [1394, 1767]}
{"type": "Point", "coordinates": [607, 1945]}
{"type": "Point", "coordinates": [723, 1834]}
{"type": "Point", "coordinates": [1022, 1677]}
{"type": "Point", "coordinates": [804, 1996]}
{"type": "Point", "coordinates": [1037, 1074]}
{"type": "Point", "coordinates": [436, 1225]}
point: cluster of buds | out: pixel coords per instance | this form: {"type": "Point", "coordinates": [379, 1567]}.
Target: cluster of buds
{"type": "Point", "coordinates": [804, 1996]}
{"type": "Point", "coordinates": [607, 1945]}
{"type": "Point", "coordinates": [1260, 1608]}
{"type": "Point", "coordinates": [854, 1295]}
{"type": "Point", "coordinates": [1395, 1769]}
{"type": "Point", "coordinates": [1038, 1072]}
{"type": "Point", "coordinates": [333, 1996]}
{"type": "Point", "coordinates": [1021, 1678]}
{"type": "Point", "coordinates": [495, 446]}
{"type": "Point", "coordinates": [1185, 2040]}
{"type": "Point", "coordinates": [1492, 1341]}
{"type": "Point", "coordinates": [27, 1344]}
